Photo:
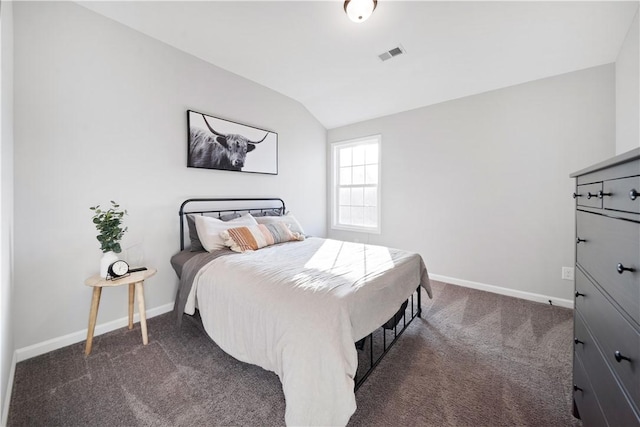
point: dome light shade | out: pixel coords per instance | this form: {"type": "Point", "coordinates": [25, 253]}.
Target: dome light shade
{"type": "Point", "coordinates": [359, 10]}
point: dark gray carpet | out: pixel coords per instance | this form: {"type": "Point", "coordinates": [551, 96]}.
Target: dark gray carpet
{"type": "Point", "coordinates": [475, 359]}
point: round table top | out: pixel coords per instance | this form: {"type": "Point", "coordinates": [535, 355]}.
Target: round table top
{"type": "Point", "coordinates": [134, 277]}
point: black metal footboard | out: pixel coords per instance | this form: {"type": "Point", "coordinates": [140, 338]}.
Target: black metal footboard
{"type": "Point", "coordinates": [377, 344]}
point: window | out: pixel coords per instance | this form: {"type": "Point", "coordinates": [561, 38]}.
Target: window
{"type": "Point", "coordinates": [356, 184]}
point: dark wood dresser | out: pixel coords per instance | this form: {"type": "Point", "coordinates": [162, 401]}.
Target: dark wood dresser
{"type": "Point", "coordinates": [606, 358]}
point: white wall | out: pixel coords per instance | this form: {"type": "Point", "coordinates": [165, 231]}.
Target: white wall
{"type": "Point", "coordinates": [6, 206]}
{"type": "Point", "coordinates": [480, 186]}
{"type": "Point", "coordinates": [628, 91]}
{"type": "Point", "coordinates": [100, 114]}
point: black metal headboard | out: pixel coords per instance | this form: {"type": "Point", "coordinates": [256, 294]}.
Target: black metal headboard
{"type": "Point", "coordinates": [245, 205]}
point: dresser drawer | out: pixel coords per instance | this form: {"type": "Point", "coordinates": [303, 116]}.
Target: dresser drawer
{"type": "Point", "coordinates": [613, 333]}
{"type": "Point", "coordinates": [584, 397]}
{"type": "Point", "coordinates": [620, 194]}
{"type": "Point", "coordinates": [587, 195]}
{"type": "Point", "coordinates": [609, 242]}
{"type": "Point", "coordinates": [613, 402]}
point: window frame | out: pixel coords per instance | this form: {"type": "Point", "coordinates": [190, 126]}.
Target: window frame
{"type": "Point", "coordinates": [335, 168]}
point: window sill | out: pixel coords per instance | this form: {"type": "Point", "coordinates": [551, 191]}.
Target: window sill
{"type": "Point", "coordinates": [368, 230]}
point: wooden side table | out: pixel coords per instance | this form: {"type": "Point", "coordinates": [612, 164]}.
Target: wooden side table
{"type": "Point", "coordinates": [134, 280]}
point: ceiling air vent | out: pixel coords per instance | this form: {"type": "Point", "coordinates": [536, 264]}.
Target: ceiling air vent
{"type": "Point", "coordinates": [391, 53]}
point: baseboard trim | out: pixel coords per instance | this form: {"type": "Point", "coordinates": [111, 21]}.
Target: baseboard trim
{"type": "Point", "coordinates": [7, 396]}
{"type": "Point", "coordinates": [76, 337]}
{"type": "Point", "coordinates": [504, 291]}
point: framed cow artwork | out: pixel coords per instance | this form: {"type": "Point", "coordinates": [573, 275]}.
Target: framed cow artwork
{"type": "Point", "coordinates": [215, 143]}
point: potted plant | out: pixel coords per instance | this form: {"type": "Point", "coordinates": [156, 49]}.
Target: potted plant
{"type": "Point", "coordinates": [109, 224]}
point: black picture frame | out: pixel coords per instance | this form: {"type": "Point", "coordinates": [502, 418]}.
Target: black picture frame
{"type": "Point", "coordinates": [216, 143]}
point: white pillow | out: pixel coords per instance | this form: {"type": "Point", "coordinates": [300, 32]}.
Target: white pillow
{"type": "Point", "coordinates": [209, 229]}
{"type": "Point", "coordinates": [288, 219]}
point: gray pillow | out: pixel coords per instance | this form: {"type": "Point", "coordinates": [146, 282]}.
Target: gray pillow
{"type": "Point", "coordinates": [269, 212]}
{"type": "Point", "coordinates": [196, 245]}
{"type": "Point", "coordinates": [229, 217]}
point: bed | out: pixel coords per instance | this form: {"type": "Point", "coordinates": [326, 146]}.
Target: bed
{"type": "Point", "coordinates": [301, 309]}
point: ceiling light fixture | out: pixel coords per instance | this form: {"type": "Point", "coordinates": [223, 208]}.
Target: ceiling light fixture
{"type": "Point", "coordinates": [359, 10]}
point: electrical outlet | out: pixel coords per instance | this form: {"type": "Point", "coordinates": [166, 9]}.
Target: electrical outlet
{"type": "Point", "coordinates": [567, 273]}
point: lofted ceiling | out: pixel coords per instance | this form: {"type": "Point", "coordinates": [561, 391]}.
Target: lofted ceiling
{"type": "Point", "coordinates": [310, 51]}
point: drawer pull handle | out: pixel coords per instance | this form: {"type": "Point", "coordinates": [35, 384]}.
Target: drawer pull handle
{"type": "Point", "coordinates": [576, 195]}
{"type": "Point", "coordinates": [601, 194]}
{"type": "Point", "coordinates": [619, 357]}
{"type": "Point", "coordinates": [577, 341]}
{"type": "Point", "coordinates": [579, 240]}
{"type": "Point", "coordinates": [621, 268]}
{"type": "Point", "coordinates": [578, 294]}
{"type": "Point", "coordinates": [633, 194]}
{"type": "Point", "coordinates": [576, 388]}
{"type": "Point", "coordinates": [589, 195]}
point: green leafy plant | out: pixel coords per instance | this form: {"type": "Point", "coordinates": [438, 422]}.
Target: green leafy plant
{"type": "Point", "coordinates": [109, 224]}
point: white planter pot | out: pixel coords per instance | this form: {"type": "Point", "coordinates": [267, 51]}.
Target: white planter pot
{"type": "Point", "coordinates": [107, 259]}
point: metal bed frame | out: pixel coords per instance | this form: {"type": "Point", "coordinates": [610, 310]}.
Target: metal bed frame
{"type": "Point", "coordinates": [412, 310]}
{"type": "Point", "coordinates": [416, 311]}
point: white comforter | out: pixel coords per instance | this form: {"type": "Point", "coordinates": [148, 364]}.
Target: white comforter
{"type": "Point", "coordinates": [297, 309]}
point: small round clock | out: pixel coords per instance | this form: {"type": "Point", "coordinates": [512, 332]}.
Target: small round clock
{"type": "Point", "coordinates": [118, 269]}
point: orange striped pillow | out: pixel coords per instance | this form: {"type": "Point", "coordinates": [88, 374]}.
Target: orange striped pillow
{"type": "Point", "coordinates": [254, 237]}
